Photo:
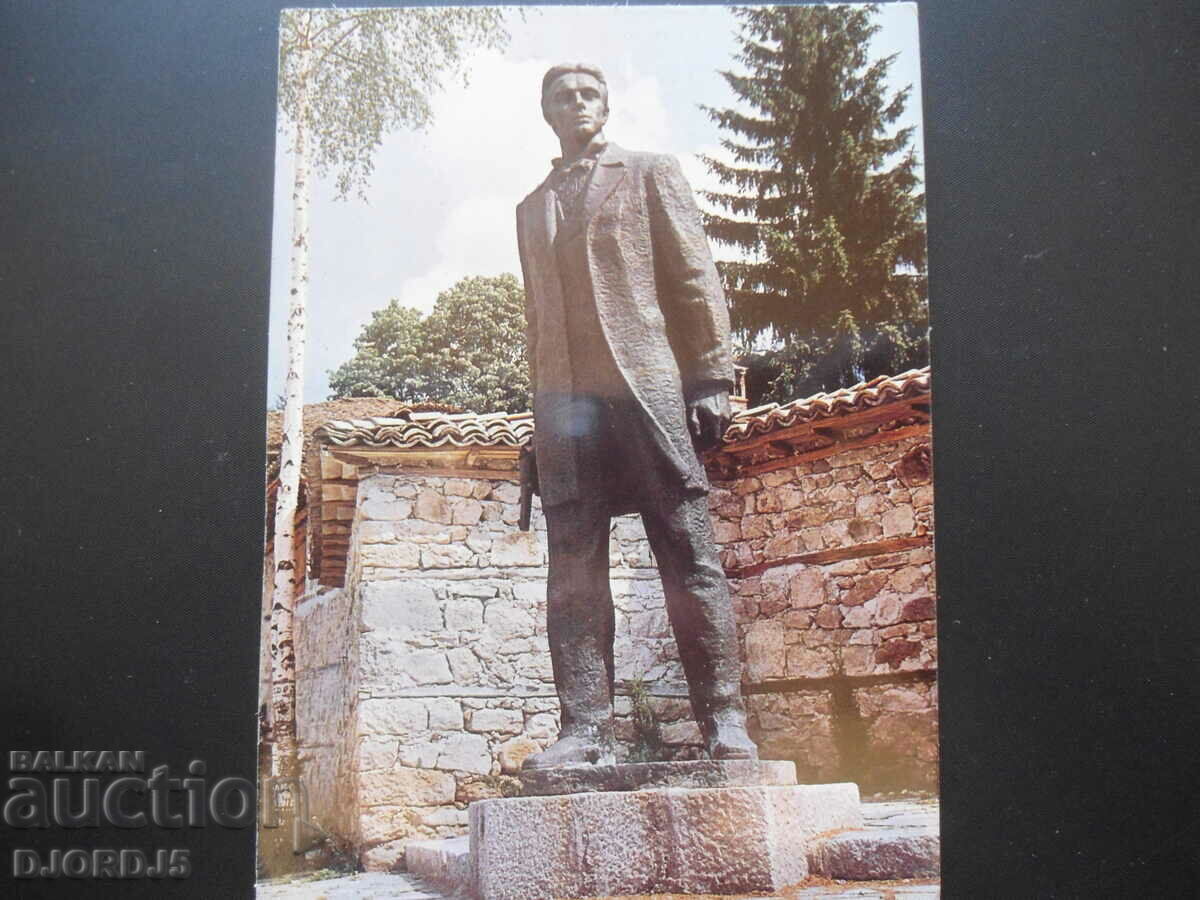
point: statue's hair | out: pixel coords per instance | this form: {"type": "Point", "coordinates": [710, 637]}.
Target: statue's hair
{"type": "Point", "coordinates": [557, 72]}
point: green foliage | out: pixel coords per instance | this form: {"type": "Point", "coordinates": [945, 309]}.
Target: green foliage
{"type": "Point", "coordinates": [349, 76]}
{"type": "Point", "coordinates": [647, 738]}
{"type": "Point", "coordinates": [826, 362]}
{"type": "Point", "coordinates": [823, 201]}
{"type": "Point", "coordinates": [468, 352]}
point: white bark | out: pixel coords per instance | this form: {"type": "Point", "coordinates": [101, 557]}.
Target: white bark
{"type": "Point", "coordinates": [289, 576]}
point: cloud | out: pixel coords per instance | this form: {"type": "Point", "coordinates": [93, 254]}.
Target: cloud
{"type": "Point", "coordinates": [493, 145]}
{"type": "Point", "coordinates": [441, 202]}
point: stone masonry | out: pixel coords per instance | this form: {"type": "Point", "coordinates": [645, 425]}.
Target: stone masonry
{"type": "Point", "coordinates": [452, 688]}
{"type": "Point", "coordinates": [831, 566]}
{"type": "Point", "coordinates": [425, 681]}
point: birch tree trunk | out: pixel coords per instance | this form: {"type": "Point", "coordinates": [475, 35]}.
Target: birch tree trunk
{"type": "Point", "coordinates": [360, 73]}
{"type": "Point", "coordinates": [289, 578]}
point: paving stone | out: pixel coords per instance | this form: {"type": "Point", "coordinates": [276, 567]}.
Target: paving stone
{"type": "Point", "coordinates": [445, 863]}
{"type": "Point", "coordinates": [903, 813]}
{"type": "Point", "coordinates": [363, 886]}
{"type": "Point", "coordinates": [901, 840]}
{"type": "Point", "coordinates": [878, 853]}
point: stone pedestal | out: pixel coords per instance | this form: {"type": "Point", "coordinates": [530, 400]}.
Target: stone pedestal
{"type": "Point", "coordinates": [701, 773]}
{"type": "Point", "coordinates": [686, 840]}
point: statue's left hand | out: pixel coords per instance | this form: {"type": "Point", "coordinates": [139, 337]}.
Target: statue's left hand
{"type": "Point", "coordinates": [708, 416]}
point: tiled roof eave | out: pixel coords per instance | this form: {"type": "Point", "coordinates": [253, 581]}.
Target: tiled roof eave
{"type": "Point", "coordinates": [432, 431]}
{"type": "Point", "coordinates": [418, 443]}
{"type": "Point", "coordinates": [847, 401]}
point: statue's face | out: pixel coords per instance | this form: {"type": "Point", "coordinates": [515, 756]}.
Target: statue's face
{"type": "Point", "coordinates": [576, 107]}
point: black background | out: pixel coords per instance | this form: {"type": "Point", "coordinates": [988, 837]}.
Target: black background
{"type": "Point", "coordinates": [1061, 148]}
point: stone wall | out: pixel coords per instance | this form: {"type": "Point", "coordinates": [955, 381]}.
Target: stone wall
{"type": "Point", "coordinates": [327, 679]}
{"type": "Point", "coordinates": [428, 676]}
{"type": "Point", "coordinates": [454, 680]}
{"type": "Point", "coordinates": [326, 659]}
{"type": "Point", "coordinates": [831, 565]}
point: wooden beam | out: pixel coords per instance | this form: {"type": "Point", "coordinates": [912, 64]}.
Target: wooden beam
{"type": "Point", "coordinates": [825, 557]}
{"type": "Point", "coordinates": [340, 491]}
{"type": "Point", "coordinates": [453, 472]}
{"type": "Point", "coordinates": [790, 685]}
{"type": "Point", "coordinates": [880, 437]}
{"type": "Point", "coordinates": [413, 465]}
{"type": "Point", "coordinates": [402, 455]}
{"type": "Point", "coordinates": [781, 448]}
{"type": "Point", "coordinates": [818, 440]}
{"type": "Point", "coordinates": [334, 469]}
{"type": "Point", "coordinates": [896, 409]}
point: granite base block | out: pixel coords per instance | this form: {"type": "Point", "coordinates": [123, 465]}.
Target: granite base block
{"type": "Point", "coordinates": [673, 840]}
{"type": "Point", "coordinates": [701, 773]}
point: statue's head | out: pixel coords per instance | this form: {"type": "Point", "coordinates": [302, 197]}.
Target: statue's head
{"type": "Point", "coordinates": [575, 100]}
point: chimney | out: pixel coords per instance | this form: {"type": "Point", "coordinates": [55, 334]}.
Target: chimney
{"type": "Point", "coordinates": [737, 400]}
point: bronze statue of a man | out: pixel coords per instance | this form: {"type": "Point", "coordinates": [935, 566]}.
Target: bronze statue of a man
{"type": "Point", "coordinates": [631, 367]}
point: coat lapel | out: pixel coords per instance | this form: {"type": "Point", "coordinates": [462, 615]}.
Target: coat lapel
{"type": "Point", "coordinates": [609, 172]}
{"type": "Point", "coordinates": [547, 221]}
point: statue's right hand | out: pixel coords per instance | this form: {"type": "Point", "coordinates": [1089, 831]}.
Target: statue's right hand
{"type": "Point", "coordinates": [708, 417]}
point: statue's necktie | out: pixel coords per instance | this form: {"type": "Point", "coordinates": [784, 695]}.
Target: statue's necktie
{"type": "Point", "coordinates": [572, 187]}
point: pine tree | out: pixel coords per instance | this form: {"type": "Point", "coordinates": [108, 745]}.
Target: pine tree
{"type": "Point", "coordinates": [822, 199]}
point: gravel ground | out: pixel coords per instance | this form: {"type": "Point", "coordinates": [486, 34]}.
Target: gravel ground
{"type": "Point", "coordinates": [363, 886]}
{"type": "Point", "coordinates": [378, 886]}
{"type": "Point", "coordinates": [381, 886]}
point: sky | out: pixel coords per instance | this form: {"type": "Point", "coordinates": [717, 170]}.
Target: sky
{"type": "Point", "coordinates": [440, 204]}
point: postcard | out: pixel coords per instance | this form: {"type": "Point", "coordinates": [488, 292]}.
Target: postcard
{"type": "Point", "coordinates": [600, 476]}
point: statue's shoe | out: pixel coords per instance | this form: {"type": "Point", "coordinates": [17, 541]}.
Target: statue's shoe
{"type": "Point", "coordinates": [573, 750]}
{"type": "Point", "coordinates": [726, 737]}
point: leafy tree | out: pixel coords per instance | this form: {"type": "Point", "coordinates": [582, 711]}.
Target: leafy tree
{"type": "Point", "coordinates": [346, 78]}
{"type": "Point", "coordinates": [822, 199]}
{"type": "Point", "coordinates": [386, 359]}
{"type": "Point", "coordinates": [469, 352]}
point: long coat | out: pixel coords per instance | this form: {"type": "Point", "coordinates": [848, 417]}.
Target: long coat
{"type": "Point", "coordinates": [656, 294]}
